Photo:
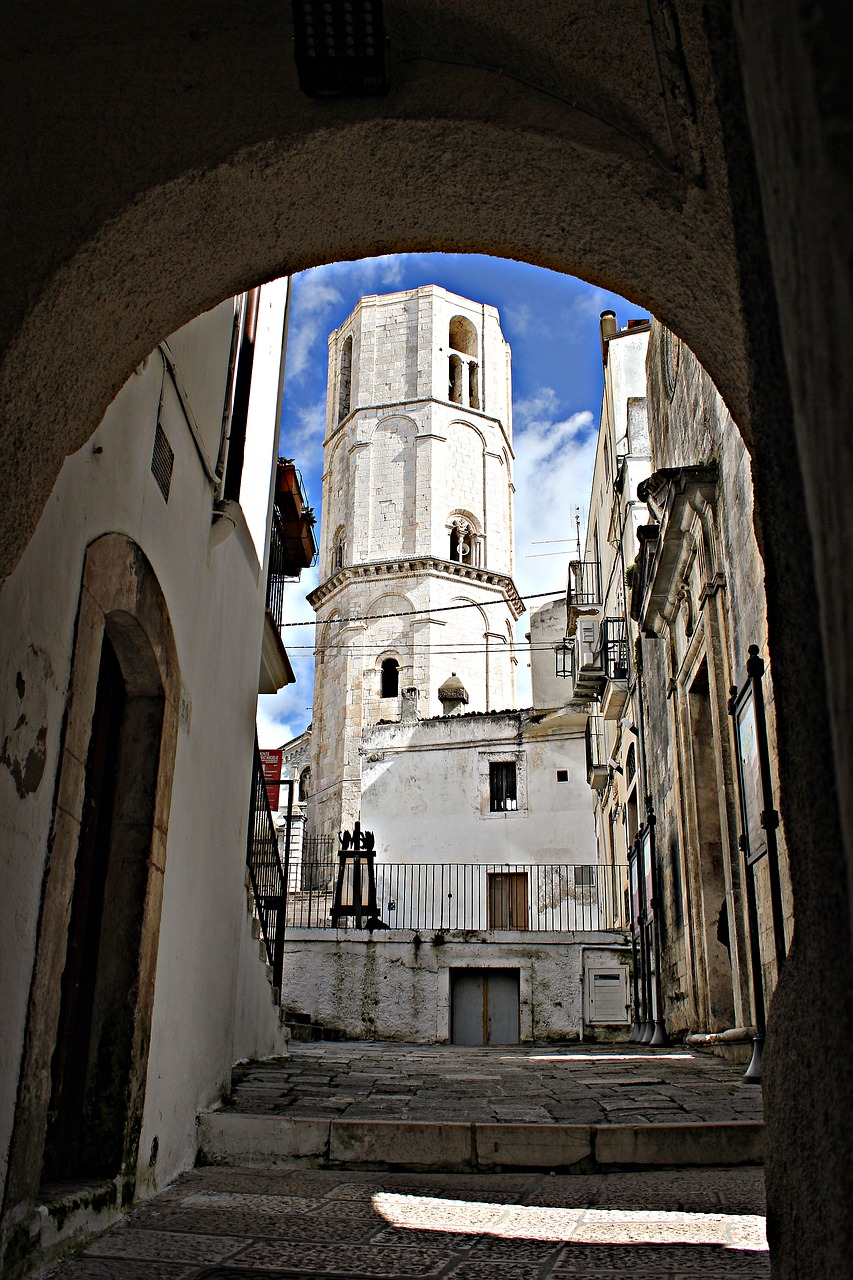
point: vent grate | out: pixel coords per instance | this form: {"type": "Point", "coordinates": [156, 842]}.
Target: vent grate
{"type": "Point", "coordinates": [162, 460]}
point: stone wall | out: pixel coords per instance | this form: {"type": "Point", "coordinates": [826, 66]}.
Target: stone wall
{"type": "Point", "coordinates": [397, 986]}
{"type": "Point", "coordinates": [709, 631]}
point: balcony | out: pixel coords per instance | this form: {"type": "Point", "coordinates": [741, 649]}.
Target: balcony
{"type": "Point", "coordinates": [616, 659]}
{"type": "Point", "coordinates": [584, 588]}
{"type": "Point", "coordinates": [597, 773]}
{"type": "Point", "coordinates": [293, 546]}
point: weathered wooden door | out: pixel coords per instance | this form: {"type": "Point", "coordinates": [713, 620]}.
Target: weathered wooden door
{"type": "Point", "coordinates": [484, 1006]}
{"type": "Point", "coordinates": [508, 903]}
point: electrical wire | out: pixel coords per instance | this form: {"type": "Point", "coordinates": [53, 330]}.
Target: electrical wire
{"type": "Point", "coordinates": [414, 613]}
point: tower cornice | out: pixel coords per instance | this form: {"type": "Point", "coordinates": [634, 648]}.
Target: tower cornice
{"type": "Point", "coordinates": [416, 566]}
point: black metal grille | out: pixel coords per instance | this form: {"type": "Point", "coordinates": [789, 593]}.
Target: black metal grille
{"type": "Point", "coordinates": [318, 865]}
{"type": "Point", "coordinates": [616, 655]}
{"type": "Point", "coordinates": [265, 870]}
{"type": "Point", "coordinates": [594, 739]}
{"type": "Point", "coordinates": [276, 577]}
{"type": "Point", "coordinates": [502, 786]}
{"type": "Point", "coordinates": [584, 582]}
{"type": "Point", "coordinates": [426, 896]}
{"type": "Point", "coordinates": [162, 461]}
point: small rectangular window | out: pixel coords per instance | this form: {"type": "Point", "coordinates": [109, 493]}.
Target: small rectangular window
{"type": "Point", "coordinates": [562, 775]}
{"type": "Point", "coordinates": [503, 796]}
{"type": "Point", "coordinates": [584, 877]}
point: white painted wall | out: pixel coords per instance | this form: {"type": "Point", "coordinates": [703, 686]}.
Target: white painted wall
{"type": "Point", "coordinates": [425, 792]}
{"type": "Point", "coordinates": [215, 597]}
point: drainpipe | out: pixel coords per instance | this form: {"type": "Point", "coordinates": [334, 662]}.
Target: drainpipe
{"type": "Point", "coordinates": [225, 431]}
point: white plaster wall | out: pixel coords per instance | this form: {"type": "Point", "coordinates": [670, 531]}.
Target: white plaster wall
{"type": "Point", "coordinates": [547, 630]}
{"type": "Point", "coordinates": [425, 793]}
{"type": "Point", "coordinates": [215, 601]}
{"type": "Point", "coordinates": [397, 987]}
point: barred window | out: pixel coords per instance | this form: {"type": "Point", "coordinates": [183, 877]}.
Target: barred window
{"type": "Point", "coordinates": [503, 796]}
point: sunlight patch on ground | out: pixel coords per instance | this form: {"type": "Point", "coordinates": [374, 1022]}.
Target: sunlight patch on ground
{"type": "Point", "coordinates": [573, 1226]}
{"type": "Point", "coordinates": [604, 1057]}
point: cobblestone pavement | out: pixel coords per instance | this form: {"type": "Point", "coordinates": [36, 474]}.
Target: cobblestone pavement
{"type": "Point", "coordinates": [571, 1084]}
{"type": "Point", "coordinates": [228, 1224]}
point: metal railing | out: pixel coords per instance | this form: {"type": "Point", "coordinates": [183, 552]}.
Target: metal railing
{"type": "Point", "coordinates": [615, 646]}
{"type": "Point", "coordinates": [596, 756]}
{"type": "Point", "coordinates": [278, 563]}
{"type": "Point", "coordinates": [265, 871]}
{"type": "Point", "coordinates": [460, 896]}
{"type": "Point", "coordinates": [584, 586]}
{"type": "Point", "coordinates": [317, 865]}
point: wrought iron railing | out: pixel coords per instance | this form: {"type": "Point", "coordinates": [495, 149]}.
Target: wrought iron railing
{"type": "Point", "coordinates": [461, 896]}
{"type": "Point", "coordinates": [584, 586]}
{"type": "Point", "coordinates": [615, 645]}
{"type": "Point", "coordinates": [278, 563]}
{"type": "Point", "coordinates": [318, 864]}
{"type": "Point", "coordinates": [596, 755]}
{"type": "Point", "coordinates": [265, 871]}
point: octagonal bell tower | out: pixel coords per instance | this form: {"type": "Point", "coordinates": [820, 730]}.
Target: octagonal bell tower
{"type": "Point", "coordinates": [416, 556]}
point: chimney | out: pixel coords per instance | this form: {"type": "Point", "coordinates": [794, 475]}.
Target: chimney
{"type": "Point", "coordinates": [608, 328]}
{"type": "Point", "coordinates": [409, 706]}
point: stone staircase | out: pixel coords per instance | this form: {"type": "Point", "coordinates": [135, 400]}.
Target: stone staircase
{"type": "Point", "coordinates": [448, 1109]}
{"type": "Point", "coordinates": [303, 1030]}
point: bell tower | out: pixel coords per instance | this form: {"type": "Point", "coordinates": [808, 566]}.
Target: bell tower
{"type": "Point", "coordinates": [416, 554]}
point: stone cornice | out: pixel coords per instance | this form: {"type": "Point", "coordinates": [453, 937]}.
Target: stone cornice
{"type": "Point", "coordinates": [417, 566]}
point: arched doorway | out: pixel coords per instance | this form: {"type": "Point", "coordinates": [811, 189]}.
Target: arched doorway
{"type": "Point", "coordinates": [83, 1080]}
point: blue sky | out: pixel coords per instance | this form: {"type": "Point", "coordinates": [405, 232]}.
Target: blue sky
{"type": "Point", "coordinates": [551, 323]}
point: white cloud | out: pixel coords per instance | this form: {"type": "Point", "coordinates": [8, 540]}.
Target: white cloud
{"type": "Point", "coordinates": [553, 474]}
{"type": "Point", "coordinates": [302, 439]}
{"type": "Point", "coordinates": [285, 714]}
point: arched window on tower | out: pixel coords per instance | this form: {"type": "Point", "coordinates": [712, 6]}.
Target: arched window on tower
{"type": "Point", "coordinates": [345, 378]}
{"type": "Point", "coordinates": [464, 385]}
{"type": "Point", "coordinates": [464, 543]}
{"type": "Point", "coordinates": [390, 678]}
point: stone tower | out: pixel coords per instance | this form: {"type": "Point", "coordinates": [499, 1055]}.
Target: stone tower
{"type": "Point", "coordinates": [417, 521]}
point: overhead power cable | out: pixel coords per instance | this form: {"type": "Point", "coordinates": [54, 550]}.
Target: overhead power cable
{"type": "Point", "coordinates": [413, 613]}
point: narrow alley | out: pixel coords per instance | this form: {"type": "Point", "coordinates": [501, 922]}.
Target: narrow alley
{"type": "Point", "coordinates": [259, 1209]}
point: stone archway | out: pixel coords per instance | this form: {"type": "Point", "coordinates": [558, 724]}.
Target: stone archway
{"type": "Point", "coordinates": [151, 195]}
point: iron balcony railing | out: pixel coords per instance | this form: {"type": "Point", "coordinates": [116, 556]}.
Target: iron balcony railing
{"type": "Point", "coordinates": [462, 896]}
{"type": "Point", "coordinates": [615, 646]}
{"type": "Point", "coordinates": [596, 755]}
{"type": "Point", "coordinates": [278, 565]}
{"type": "Point", "coordinates": [265, 870]}
{"type": "Point", "coordinates": [584, 586]}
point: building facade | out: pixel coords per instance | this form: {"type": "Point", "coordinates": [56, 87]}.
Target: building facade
{"type": "Point", "coordinates": [417, 542]}
{"type": "Point", "coordinates": [487, 896]}
{"type": "Point", "coordinates": [662, 613]}
{"type": "Point", "coordinates": [131, 976]}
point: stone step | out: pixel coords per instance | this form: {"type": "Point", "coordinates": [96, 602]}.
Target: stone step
{"type": "Point", "coordinates": [233, 1138]}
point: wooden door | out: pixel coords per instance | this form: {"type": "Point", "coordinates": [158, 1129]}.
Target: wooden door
{"type": "Point", "coordinates": [507, 900]}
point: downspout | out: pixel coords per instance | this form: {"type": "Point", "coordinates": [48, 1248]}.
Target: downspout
{"type": "Point", "coordinates": [225, 432]}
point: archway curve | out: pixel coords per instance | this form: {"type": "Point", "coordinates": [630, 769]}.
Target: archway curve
{"type": "Point", "coordinates": [184, 246]}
